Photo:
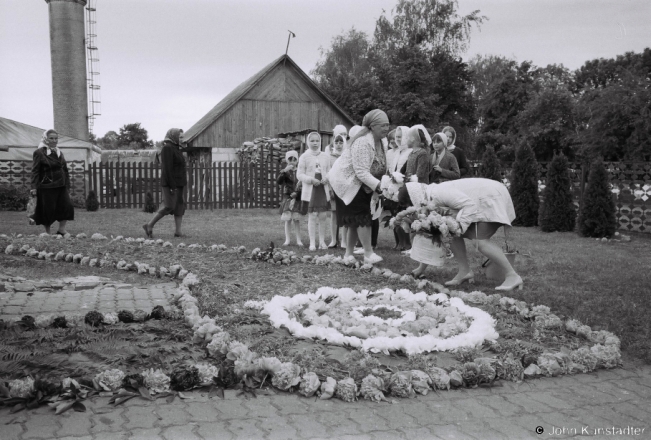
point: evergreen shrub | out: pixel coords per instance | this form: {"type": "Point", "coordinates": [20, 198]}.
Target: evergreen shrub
{"type": "Point", "coordinates": [524, 187]}
{"type": "Point", "coordinates": [557, 212]}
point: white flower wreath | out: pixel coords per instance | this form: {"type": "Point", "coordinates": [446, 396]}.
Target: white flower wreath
{"type": "Point", "coordinates": [334, 315]}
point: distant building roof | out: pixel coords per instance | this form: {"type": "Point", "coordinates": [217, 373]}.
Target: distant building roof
{"type": "Point", "coordinates": [15, 134]}
{"type": "Point", "coordinates": [241, 90]}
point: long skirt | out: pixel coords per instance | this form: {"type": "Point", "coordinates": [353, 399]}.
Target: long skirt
{"type": "Point", "coordinates": [173, 203]}
{"type": "Point", "coordinates": [53, 205]}
{"type": "Point", "coordinates": [357, 213]}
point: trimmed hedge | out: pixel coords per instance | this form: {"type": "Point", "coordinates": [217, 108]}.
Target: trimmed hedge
{"type": "Point", "coordinates": [524, 187]}
{"type": "Point", "coordinates": [557, 212]}
{"type": "Point", "coordinates": [597, 212]}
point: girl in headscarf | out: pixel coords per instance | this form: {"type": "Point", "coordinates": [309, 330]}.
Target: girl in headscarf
{"type": "Point", "coordinates": [456, 151]}
{"type": "Point", "coordinates": [291, 206]}
{"type": "Point", "coordinates": [338, 130]}
{"type": "Point", "coordinates": [397, 162]}
{"type": "Point", "coordinates": [173, 181]}
{"type": "Point", "coordinates": [417, 168]}
{"type": "Point", "coordinates": [444, 164]}
{"type": "Point", "coordinates": [481, 206]}
{"type": "Point", "coordinates": [51, 184]}
{"type": "Point", "coordinates": [313, 167]}
{"type": "Point", "coordinates": [336, 148]}
{"type": "Point", "coordinates": [355, 177]}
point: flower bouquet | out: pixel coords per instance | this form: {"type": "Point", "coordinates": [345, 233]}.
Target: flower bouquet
{"type": "Point", "coordinates": [432, 222]}
{"type": "Point", "coordinates": [390, 185]}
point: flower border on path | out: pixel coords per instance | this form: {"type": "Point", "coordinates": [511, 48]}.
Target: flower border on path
{"type": "Point", "coordinates": [481, 329]}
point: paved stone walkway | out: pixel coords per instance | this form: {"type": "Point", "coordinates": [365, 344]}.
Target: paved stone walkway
{"type": "Point", "coordinates": [591, 406]}
{"type": "Point", "coordinates": [19, 296]}
{"type": "Point", "coordinates": [605, 404]}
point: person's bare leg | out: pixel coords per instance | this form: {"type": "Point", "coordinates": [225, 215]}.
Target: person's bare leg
{"type": "Point", "coordinates": [311, 229]}
{"type": "Point", "coordinates": [154, 220]}
{"type": "Point", "coordinates": [419, 270]}
{"type": "Point", "coordinates": [322, 216]}
{"type": "Point", "coordinates": [494, 253]}
{"type": "Point", "coordinates": [351, 240]}
{"type": "Point", "coordinates": [458, 247]}
{"type": "Point", "coordinates": [47, 228]}
{"type": "Point", "coordinates": [333, 229]}
{"type": "Point", "coordinates": [364, 233]}
{"type": "Point", "coordinates": [178, 219]}
{"type": "Point", "coordinates": [62, 226]}
{"type": "Point", "coordinates": [297, 229]}
{"type": "Point", "coordinates": [288, 232]}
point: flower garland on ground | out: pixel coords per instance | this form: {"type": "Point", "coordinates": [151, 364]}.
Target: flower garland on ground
{"type": "Point", "coordinates": [426, 323]}
{"type": "Point", "coordinates": [287, 376]}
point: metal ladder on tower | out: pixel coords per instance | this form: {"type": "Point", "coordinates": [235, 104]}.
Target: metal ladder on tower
{"type": "Point", "coordinates": [92, 63]}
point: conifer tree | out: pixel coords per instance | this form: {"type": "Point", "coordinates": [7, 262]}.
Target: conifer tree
{"type": "Point", "coordinates": [597, 212]}
{"type": "Point", "coordinates": [524, 187]}
{"type": "Point", "coordinates": [91, 202]}
{"type": "Point", "coordinates": [490, 165]}
{"type": "Point", "coordinates": [557, 212]}
{"type": "Point", "coordinates": [150, 206]}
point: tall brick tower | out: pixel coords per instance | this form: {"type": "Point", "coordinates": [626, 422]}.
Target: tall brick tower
{"type": "Point", "coordinates": [68, 54]}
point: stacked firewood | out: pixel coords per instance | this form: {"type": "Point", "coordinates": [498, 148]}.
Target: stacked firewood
{"type": "Point", "coordinates": [267, 149]}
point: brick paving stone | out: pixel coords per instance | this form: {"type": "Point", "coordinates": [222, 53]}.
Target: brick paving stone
{"type": "Point", "coordinates": [215, 431]}
{"type": "Point", "coordinates": [338, 424]}
{"type": "Point", "coordinates": [527, 404]}
{"type": "Point", "coordinates": [306, 425]}
{"type": "Point", "coordinates": [548, 399]}
{"type": "Point", "coordinates": [500, 404]}
{"type": "Point", "coordinates": [245, 429]}
{"type": "Point", "coordinates": [396, 417]}
{"type": "Point", "coordinates": [111, 436]}
{"type": "Point", "coordinates": [587, 417]}
{"type": "Point", "coordinates": [636, 388]}
{"type": "Point", "coordinates": [511, 430]}
{"type": "Point", "coordinates": [85, 437]}
{"type": "Point", "coordinates": [172, 414]}
{"type": "Point", "coordinates": [260, 407]}
{"type": "Point", "coordinates": [202, 412]}
{"type": "Point", "coordinates": [614, 389]}
{"type": "Point", "coordinates": [42, 426]}
{"type": "Point", "coordinates": [180, 432]}
{"type": "Point", "coordinates": [595, 396]}
{"type": "Point", "coordinates": [140, 417]}
{"type": "Point", "coordinates": [443, 413]}
{"type": "Point", "coordinates": [368, 420]}
{"type": "Point", "coordinates": [109, 421]}
{"type": "Point", "coordinates": [418, 434]}
{"type": "Point", "coordinates": [145, 434]}
{"type": "Point", "coordinates": [473, 407]}
{"type": "Point", "coordinates": [566, 419]}
{"type": "Point", "coordinates": [632, 410]}
{"type": "Point", "coordinates": [288, 404]}
{"type": "Point", "coordinates": [529, 422]}
{"type": "Point", "coordinates": [74, 424]}
{"type": "Point", "coordinates": [386, 435]}
{"type": "Point", "coordinates": [231, 409]}
{"type": "Point", "coordinates": [450, 431]}
{"type": "Point", "coordinates": [478, 429]}
{"type": "Point", "coordinates": [277, 428]}
{"type": "Point", "coordinates": [11, 431]}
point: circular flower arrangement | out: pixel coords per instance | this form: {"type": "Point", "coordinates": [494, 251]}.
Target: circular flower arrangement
{"type": "Point", "coordinates": [383, 320]}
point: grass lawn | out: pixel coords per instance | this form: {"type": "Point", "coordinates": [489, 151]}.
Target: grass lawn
{"type": "Point", "coordinates": [604, 285]}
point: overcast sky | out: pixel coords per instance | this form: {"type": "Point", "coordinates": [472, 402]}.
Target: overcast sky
{"type": "Point", "coordinates": [165, 63]}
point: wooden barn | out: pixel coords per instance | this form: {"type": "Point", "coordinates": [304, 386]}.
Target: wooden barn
{"type": "Point", "coordinates": [281, 98]}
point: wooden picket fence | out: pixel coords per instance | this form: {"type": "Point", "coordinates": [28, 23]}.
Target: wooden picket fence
{"type": "Point", "coordinates": [220, 185]}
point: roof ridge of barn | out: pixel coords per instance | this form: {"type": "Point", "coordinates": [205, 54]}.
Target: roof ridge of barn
{"type": "Point", "coordinates": [241, 90]}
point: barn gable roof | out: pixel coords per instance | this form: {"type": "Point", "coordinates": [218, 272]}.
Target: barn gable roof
{"type": "Point", "coordinates": [240, 91]}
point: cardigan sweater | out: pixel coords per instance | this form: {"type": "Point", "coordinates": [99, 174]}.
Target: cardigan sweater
{"type": "Point", "coordinates": [49, 170]}
{"type": "Point", "coordinates": [307, 170]}
{"type": "Point", "coordinates": [396, 159]}
{"type": "Point", "coordinates": [353, 169]}
{"type": "Point", "coordinates": [418, 164]}
{"type": "Point", "coordinates": [449, 171]}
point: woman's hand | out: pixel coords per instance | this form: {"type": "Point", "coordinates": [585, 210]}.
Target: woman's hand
{"type": "Point", "coordinates": [316, 182]}
{"type": "Point", "coordinates": [437, 168]}
{"type": "Point", "coordinates": [292, 195]}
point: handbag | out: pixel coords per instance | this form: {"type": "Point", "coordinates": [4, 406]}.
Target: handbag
{"type": "Point", "coordinates": [31, 207]}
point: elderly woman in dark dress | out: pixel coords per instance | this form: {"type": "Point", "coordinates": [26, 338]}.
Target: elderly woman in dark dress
{"type": "Point", "coordinates": [173, 180]}
{"type": "Point", "coordinates": [354, 177]}
{"type": "Point", "coordinates": [50, 184]}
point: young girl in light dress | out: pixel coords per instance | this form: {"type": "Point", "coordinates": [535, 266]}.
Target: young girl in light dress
{"type": "Point", "coordinates": [313, 167]}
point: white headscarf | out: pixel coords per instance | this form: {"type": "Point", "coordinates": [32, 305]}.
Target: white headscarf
{"type": "Point", "coordinates": [425, 132]}
{"type": "Point", "coordinates": [44, 144]}
{"type": "Point", "coordinates": [417, 193]}
{"type": "Point", "coordinates": [403, 137]}
{"type": "Point", "coordinates": [450, 146]}
{"type": "Point", "coordinates": [307, 142]}
{"type": "Point", "coordinates": [436, 156]}
{"type": "Point", "coordinates": [354, 130]}
{"type": "Point", "coordinates": [332, 147]}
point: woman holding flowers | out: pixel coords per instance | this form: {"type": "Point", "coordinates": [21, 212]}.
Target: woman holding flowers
{"type": "Point", "coordinates": [480, 206]}
{"type": "Point", "coordinates": [355, 176]}
{"type": "Point", "coordinates": [397, 157]}
{"type": "Point", "coordinates": [313, 166]}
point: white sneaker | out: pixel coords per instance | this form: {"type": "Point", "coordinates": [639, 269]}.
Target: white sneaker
{"type": "Point", "coordinates": [373, 259]}
{"type": "Point", "coordinates": [312, 248]}
{"type": "Point", "coordinates": [358, 251]}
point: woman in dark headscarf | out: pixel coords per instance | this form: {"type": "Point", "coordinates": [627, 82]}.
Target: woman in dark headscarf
{"type": "Point", "coordinates": [355, 176]}
{"type": "Point", "coordinates": [50, 184]}
{"type": "Point", "coordinates": [173, 180]}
